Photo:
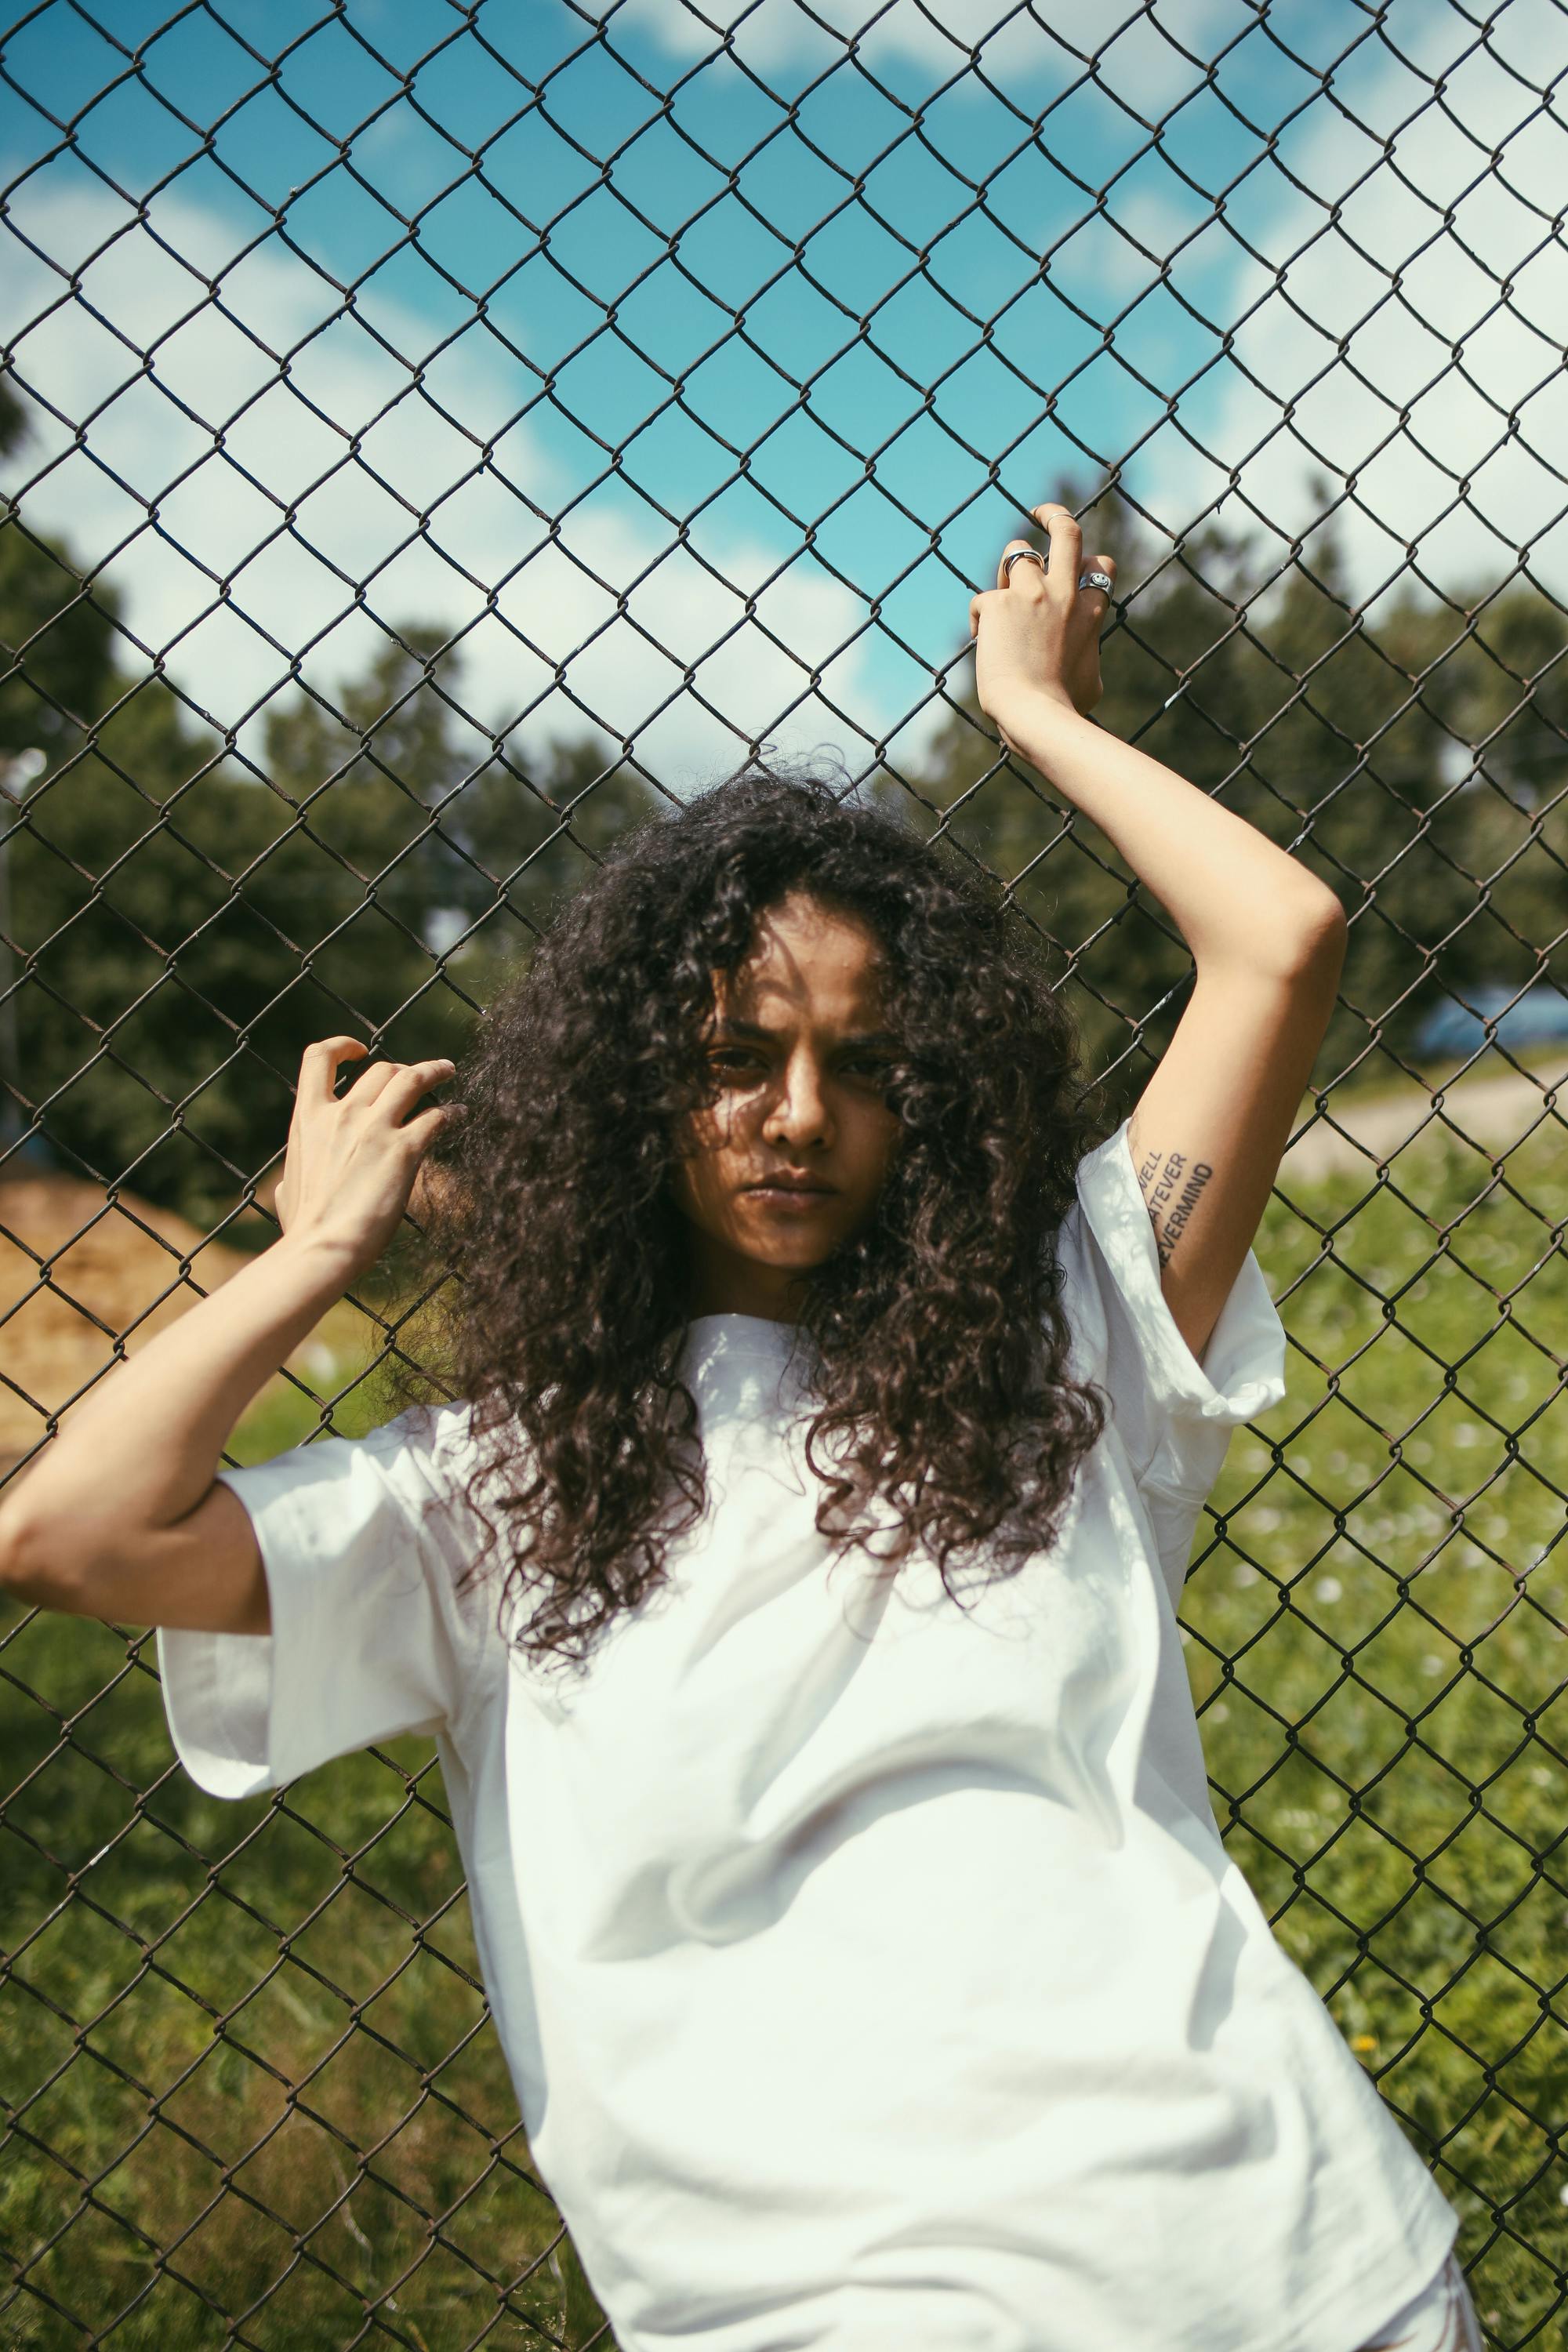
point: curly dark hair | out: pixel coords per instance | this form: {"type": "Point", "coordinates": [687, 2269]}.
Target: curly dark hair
{"type": "Point", "coordinates": [940, 1341]}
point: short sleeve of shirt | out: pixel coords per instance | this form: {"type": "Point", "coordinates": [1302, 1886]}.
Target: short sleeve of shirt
{"type": "Point", "coordinates": [361, 1552]}
{"type": "Point", "coordinates": [1174, 1413]}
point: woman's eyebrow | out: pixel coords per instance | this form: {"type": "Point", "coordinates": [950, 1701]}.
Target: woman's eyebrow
{"type": "Point", "coordinates": [753, 1029]}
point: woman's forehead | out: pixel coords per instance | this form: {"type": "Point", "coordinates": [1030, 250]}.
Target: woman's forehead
{"type": "Point", "coordinates": [803, 947]}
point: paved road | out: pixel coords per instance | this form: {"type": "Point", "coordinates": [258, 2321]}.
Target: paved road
{"type": "Point", "coordinates": [1496, 1110]}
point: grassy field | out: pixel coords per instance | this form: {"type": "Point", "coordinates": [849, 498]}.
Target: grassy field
{"type": "Point", "coordinates": [1376, 1617]}
{"type": "Point", "coordinates": [243, 2048]}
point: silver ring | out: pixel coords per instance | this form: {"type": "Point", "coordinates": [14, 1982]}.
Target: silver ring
{"type": "Point", "coordinates": [1032, 555]}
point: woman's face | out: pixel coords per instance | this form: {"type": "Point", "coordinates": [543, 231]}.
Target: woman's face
{"type": "Point", "coordinates": [799, 1049]}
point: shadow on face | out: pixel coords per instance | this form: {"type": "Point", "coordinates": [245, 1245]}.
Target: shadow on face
{"type": "Point", "coordinates": [800, 1051]}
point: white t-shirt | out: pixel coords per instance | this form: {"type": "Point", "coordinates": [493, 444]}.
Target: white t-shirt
{"type": "Point", "coordinates": [870, 1971]}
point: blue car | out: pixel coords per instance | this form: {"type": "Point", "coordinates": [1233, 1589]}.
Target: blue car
{"type": "Point", "coordinates": [1540, 1017]}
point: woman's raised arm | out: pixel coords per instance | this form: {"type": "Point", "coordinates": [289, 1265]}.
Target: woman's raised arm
{"type": "Point", "coordinates": [1267, 938]}
{"type": "Point", "coordinates": [1240, 902]}
{"type": "Point", "coordinates": [118, 1516]}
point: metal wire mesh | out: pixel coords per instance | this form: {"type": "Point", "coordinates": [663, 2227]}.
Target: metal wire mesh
{"type": "Point", "coordinates": [433, 433]}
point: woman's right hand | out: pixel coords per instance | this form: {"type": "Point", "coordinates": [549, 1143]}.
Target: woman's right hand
{"type": "Point", "coordinates": [1037, 632]}
{"type": "Point", "coordinates": [353, 1159]}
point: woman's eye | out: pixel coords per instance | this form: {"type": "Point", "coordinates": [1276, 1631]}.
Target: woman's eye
{"type": "Point", "coordinates": [736, 1061]}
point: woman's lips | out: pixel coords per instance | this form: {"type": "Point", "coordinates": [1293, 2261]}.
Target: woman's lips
{"type": "Point", "coordinates": [789, 1196]}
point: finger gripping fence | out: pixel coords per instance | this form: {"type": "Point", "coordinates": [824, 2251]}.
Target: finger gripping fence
{"type": "Point", "coordinates": [435, 437]}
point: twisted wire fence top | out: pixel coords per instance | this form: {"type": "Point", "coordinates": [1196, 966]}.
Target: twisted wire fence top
{"type": "Point", "coordinates": [435, 436]}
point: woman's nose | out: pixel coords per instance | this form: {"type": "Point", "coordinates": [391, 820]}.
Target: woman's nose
{"type": "Point", "coordinates": [800, 1108]}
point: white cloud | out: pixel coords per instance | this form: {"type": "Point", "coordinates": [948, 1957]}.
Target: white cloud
{"type": "Point", "coordinates": [319, 486]}
{"type": "Point", "coordinates": [294, 521]}
{"type": "Point", "coordinates": [1012, 45]}
{"type": "Point", "coordinates": [1398, 346]}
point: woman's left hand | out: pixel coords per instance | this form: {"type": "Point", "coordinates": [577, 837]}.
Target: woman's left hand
{"type": "Point", "coordinates": [1037, 632]}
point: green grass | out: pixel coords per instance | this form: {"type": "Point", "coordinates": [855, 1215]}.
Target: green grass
{"type": "Point", "coordinates": [1374, 1624]}
{"type": "Point", "coordinates": [245, 2047]}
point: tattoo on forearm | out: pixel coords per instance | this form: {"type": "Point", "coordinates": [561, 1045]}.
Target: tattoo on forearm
{"type": "Point", "coordinates": [1171, 1184]}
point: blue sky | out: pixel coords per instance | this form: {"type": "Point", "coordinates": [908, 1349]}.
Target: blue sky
{"type": "Point", "coordinates": [637, 342]}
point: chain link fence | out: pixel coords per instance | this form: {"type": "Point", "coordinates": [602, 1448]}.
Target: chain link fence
{"type": "Point", "coordinates": [435, 432]}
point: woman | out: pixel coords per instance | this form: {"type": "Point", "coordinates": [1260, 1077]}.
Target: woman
{"type": "Point", "coordinates": [853, 1916]}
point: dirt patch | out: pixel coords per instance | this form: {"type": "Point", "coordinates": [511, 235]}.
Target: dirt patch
{"type": "Point", "coordinates": [1495, 1109]}
{"type": "Point", "coordinates": [112, 1269]}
